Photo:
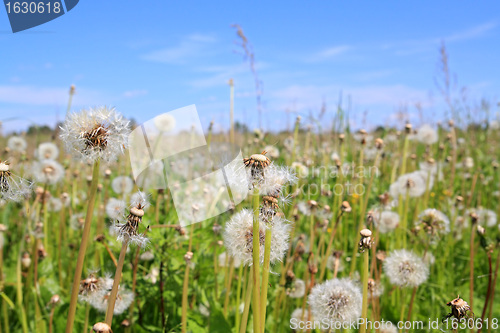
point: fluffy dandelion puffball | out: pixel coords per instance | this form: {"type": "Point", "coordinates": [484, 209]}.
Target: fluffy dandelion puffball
{"type": "Point", "coordinates": [12, 187]}
{"type": "Point", "coordinates": [405, 269]}
{"type": "Point", "coordinates": [47, 151]}
{"type": "Point", "coordinates": [414, 184]}
{"type": "Point", "coordinates": [48, 172]}
{"type": "Point", "coordinates": [298, 289]}
{"type": "Point", "coordinates": [386, 221]}
{"type": "Point", "coordinates": [434, 221]}
{"type": "Point", "coordinates": [123, 300]}
{"type": "Point", "coordinates": [238, 237]}
{"type": "Point", "coordinates": [17, 143]}
{"type": "Point", "coordinates": [98, 133]}
{"type": "Point", "coordinates": [115, 208]}
{"type": "Point", "coordinates": [275, 178]}
{"type": "Point", "coordinates": [164, 122]}
{"type": "Point", "coordinates": [122, 185]}
{"type": "Point", "coordinates": [427, 135]}
{"type": "Point", "coordinates": [337, 300]}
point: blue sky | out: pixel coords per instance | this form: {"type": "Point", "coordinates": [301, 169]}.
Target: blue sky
{"type": "Point", "coordinates": [149, 57]}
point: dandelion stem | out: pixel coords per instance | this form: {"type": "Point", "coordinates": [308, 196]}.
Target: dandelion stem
{"type": "Point", "coordinates": [364, 306]}
{"type": "Point", "coordinates": [246, 310]}
{"type": "Point", "coordinates": [256, 261]}
{"type": "Point", "coordinates": [116, 283]}
{"type": "Point", "coordinates": [238, 295]}
{"type": "Point", "coordinates": [471, 258]}
{"type": "Point", "coordinates": [488, 291]}
{"type": "Point", "coordinates": [492, 295]}
{"type": "Point", "coordinates": [412, 300]}
{"type": "Point", "coordinates": [83, 249]}
{"type": "Point", "coordinates": [185, 299]}
{"type": "Point", "coordinates": [265, 277]}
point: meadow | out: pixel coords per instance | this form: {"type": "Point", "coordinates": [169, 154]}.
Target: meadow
{"type": "Point", "coordinates": [394, 225]}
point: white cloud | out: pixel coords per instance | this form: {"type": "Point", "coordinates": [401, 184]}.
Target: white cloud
{"type": "Point", "coordinates": [190, 47]}
{"type": "Point", "coordinates": [37, 95]}
{"type": "Point", "coordinates": [329, 53]}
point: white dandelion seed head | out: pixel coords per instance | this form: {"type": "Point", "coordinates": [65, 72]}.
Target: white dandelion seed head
{"type": "Point", "coordinates": [47, 151]}
{"type": "Point", "coordinates": [147, 256]}
{"type": "Point", "coordinates": [123, 233]}
{"type": "Point", "coordinates": [386, 221]}
{"type": "Point", "coordinates": [429, 167]}
{"type": "Point", "coordinates": [437, 219]}
{"type": "Point", "coordinates": [302, 171]}
{"type": "Point", "coordinates": [238, 237]}
{"type": "Point", "coordinates": [486, 217]}
{"type": "Point", "coordinates": [123, 300]}
{"type": "Point", "coordinates": [337, 300]}
{"type": "Point", "coordinates": [153, 275]}
{"type": "Point", "coordinates": [272, 151]}
{"type": "Point", "coordinates": [414, 184]}
{"type": "Point", "coordinates": [77, 221]}
{"type": "Point", "coordinates": [204, 311]}
{"type": "Point", "coordinates": [96, 134]}
{"type": "Point", "coordinates": [427, 135]}
{"type": "Point", "coordinates": [115, 208]}
{"type": "Point", "coordinates": [17, 143]}
{"type": "Point", "coordinates": [12, 187]}
{"type": "Point", "coordinates": [54, 204]}
{"type": "Point", "coordinates": [468, 162]}
{"type": "Point", "coordinates": [405, 269]}
{"type": "Point", "coordinates": [48, 172]}
{"type": "Point", "coordinates": [275, 178]}
{"type": "Point", "coordinates": [298, 289]}
{"type": "Point", "coordinates": [332, 261]}
{"type": "Point", "coordinates": [335, 156]}
{"type": "Point", "coordinates": [140, 199]}
{"type": "Point", "coordinates": [122, 185]}
{"type": "Point", "coordinates": [164, 122]}
{"type": "Point", "coordinates": [429, 258]}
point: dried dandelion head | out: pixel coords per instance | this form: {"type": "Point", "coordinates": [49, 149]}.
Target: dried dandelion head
{"type": "Point", "coordinates": [459, 308]}
{"type": "Point", "coordinates": [127, 231]}
{"type": "Point", "coordinates": [102, 328]}
{"type": "Point", "coordinates": [256, 163]}
{"type": "Point", "coordinates": [95, 134]}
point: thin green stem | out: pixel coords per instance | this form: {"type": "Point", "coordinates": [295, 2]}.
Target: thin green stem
{"type": "Point", "coordinates": [256, 262]}
{"type": "Point", "coordinates": [265, 276]}
{"type": "Point", "coordinates": [116, 283]}
{"type": "Point", "coordinates": [364, 305]}
{"type": "Point", "coordinates": [83, 249]}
